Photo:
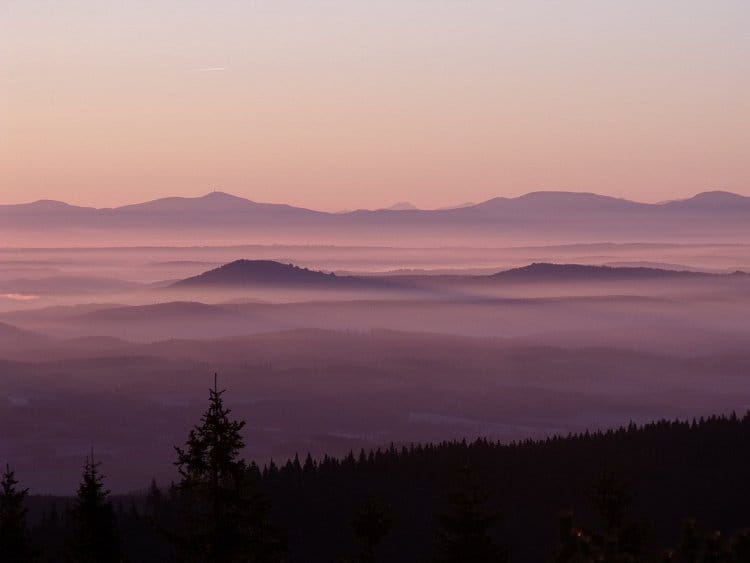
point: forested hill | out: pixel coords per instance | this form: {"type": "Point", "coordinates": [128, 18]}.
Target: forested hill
{"type": "Point", "coordinates": [670, 470]}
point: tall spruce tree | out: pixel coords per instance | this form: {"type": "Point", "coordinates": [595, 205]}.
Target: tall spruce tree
{"type": "Point", "coordinates": [465, 532]}
{"type": "Point", "coordinates": [95, 537]}
{"type": "Point", "coordinates": [14, 543]}
{"type": "Point", "coordinates": [224, 521]}
{"type": "Point", "coordinates": [371, 524]}
{"type": "Point", "coordinates": [620, 539]}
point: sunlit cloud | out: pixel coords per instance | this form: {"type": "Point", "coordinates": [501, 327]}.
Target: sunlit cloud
{"type": "Point", "coordinates": [19, 296]}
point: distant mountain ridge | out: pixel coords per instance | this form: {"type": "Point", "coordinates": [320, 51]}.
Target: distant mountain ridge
{"type": "Point", "coordinates": [12, 337]}
{"type": "Point", "coordinates": [551, 272]}
{"type": "Point", "coordinates": [715, 196]}
{"type": "Point", "coordinates": [561, 216]}
{"type": "Point", "coordinates": [225, 201]}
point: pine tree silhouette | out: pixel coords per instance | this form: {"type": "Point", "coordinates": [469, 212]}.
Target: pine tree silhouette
{"type": "Point", "coordinates": [711, 547]}
{"type": "Point", "coordinates": [225, 522]}
{"type": "Point", "coordinates": [465, 529]}
{"type": "Point", "coordinates": [154, 500]}
{"type": "Point", "coordinates": [690, 542]}
{"type": "Point", "coordinates": [619, 541]}
{"type": "Point", "coordinates": [95, 537]}
{"type": "Point", "coordinates": [622, 538]}
{"type": "Point", "coordinates": [371, 524]}
{"type": "Point", "coordinates": [611, 498]}
{"type": "Point", "coordinates": [574, 544]}
{"type": "Point", "coordinates": [14, 543]}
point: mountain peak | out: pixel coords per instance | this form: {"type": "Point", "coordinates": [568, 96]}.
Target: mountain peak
{"type": "Point", "coordinates": [718, 195]}
{"type": "Point", "coordinates": [222, 196]}
{"type": "Point", "coordinates": [213, 201]}
{"type": "Point", "coordinates": [712, 200]}
{"type": "Point", "coordinates": [401, 206]}
{"type": "Point", "coordinates": [51, 203]}
{"type": "Point", "coordinates": [554, 196]}
{"type": "Point", "coordinates": [554, 201]}
{"type": "Point", "coordinates": [50, 206]}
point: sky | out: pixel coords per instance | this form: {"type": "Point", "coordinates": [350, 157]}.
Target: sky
{"type": "Point", "coordinates": [343, 104]}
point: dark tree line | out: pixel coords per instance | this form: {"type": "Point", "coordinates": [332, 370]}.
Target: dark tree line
{"type": "Point", "coordinates": [625, 492]}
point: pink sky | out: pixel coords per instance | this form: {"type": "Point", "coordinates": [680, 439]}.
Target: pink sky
{"type": "Point", "coordinates": [335, 105]}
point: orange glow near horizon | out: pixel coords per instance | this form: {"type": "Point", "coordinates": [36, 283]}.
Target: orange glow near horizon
{"type": "Point", "coordinates": [340, 105]}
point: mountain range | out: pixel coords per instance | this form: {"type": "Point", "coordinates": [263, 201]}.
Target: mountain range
{"type": "Point", "coordinates": [559, 216]}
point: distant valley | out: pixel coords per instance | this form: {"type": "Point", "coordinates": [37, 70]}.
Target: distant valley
{"type": "Point", "coordinates": [331, 348]}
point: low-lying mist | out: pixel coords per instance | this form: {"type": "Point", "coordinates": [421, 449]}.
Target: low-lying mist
{"type": "Point", "coordinates": [101, 348]}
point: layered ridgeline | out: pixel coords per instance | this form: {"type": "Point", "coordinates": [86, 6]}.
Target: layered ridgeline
{"type": "Point", "coordinates": [243, 272]}
{"type": "Point", "coordinates": [538, 302]}
{"type": "Point", "coordinates": [623, 495]}
{"type": "Point", "coordinates": [221, 218]}
{"type": "Point", "coordinates": [544, 271]}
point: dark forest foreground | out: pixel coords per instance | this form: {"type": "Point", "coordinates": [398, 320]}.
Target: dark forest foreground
{"type": "Point", "coordinates": [667, 491]}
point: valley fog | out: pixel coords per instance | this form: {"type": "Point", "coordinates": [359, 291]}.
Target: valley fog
{"type": "Point", "coordinates": [103, 347]}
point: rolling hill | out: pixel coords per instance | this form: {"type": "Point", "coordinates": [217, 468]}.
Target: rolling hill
{"type": "Point", "coordinates": [544, 271]}
{"type": "Point", "coordinates": [258, 272]}
{"type": "Point", "coordinates": [253, 273]}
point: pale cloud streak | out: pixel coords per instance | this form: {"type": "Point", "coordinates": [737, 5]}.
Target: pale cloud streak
{"type": "Point", "coordinates": [209, 69]}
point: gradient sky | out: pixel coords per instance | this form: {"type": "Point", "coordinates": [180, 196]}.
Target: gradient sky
{"type": "Point", "coordinates": [344, 104]}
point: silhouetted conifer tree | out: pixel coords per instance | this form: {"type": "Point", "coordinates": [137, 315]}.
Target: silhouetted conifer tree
{"type": "Point", "coordinates": [622, 538]}
{"type": "Point", "coordinates": [690, 542]}
{"type": "Point", "coordinates": [465, 533]}
{"type": "Point", "coordinates": [14, 542]}
{"type": "Point", "coordinates": [266, 543]}
{"type": "Point", "coordinates": [574, 544]}
{"type": "Point", "coordinates": [371, 524]}
{"type": "Point", "coordinates": [611, 499]}
{"type": "Point", "coordinates": [741, 547]}
{"type": "Point", "coordinates": [697, 547]}
{"type": "Point", "coordinates": [154, 500]}
{"type": "Point", "coordinates": [53, 518]}
{"type": "Point", "coordinates": [620, 541]}
{"type": "Point", "coordinates": [95, 537]}
{"type": "Point", "coordinates": [224, 521]}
